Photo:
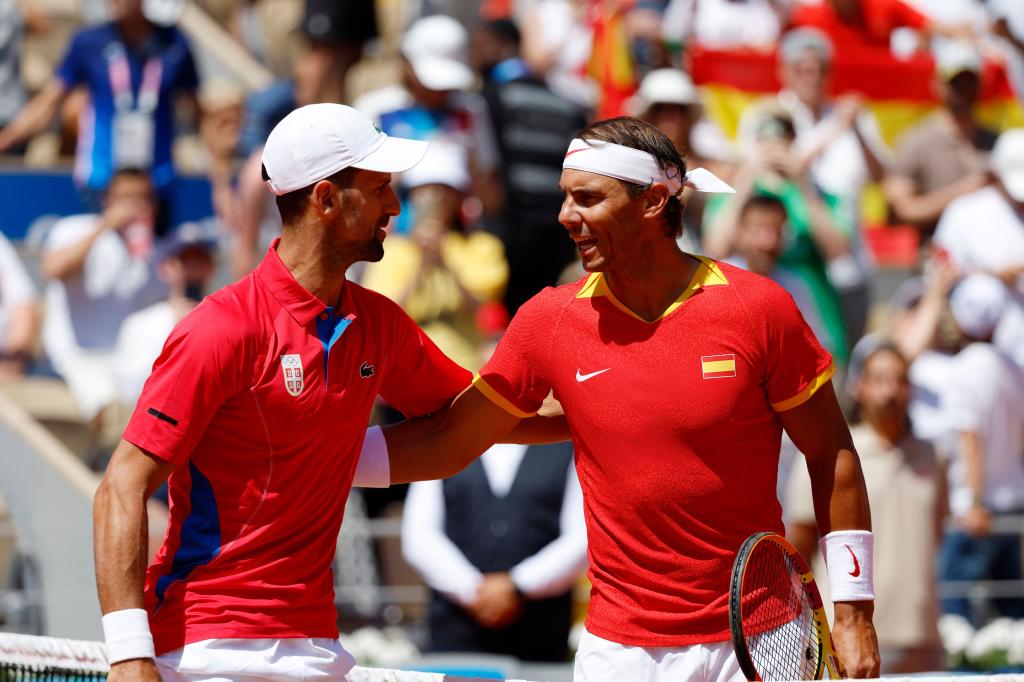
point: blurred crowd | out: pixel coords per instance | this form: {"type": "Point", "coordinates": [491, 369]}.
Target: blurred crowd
{"type": "Point", "coordinates": [930, 354]}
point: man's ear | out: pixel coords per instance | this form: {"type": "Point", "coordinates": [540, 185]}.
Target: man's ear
{"type": "Point", "coordinates": [655, 200]}
{"type": "Point", "coordinates": [324, 197]}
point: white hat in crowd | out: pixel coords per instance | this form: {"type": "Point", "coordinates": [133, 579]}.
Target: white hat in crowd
{"type": "Point", "coordinates": [977, 303]}
{"type": "Point", "coordinates": [443, 164]}
{"type": "Point", "coordinates": [1007, 162]}
{"type": "Point", "coordinates": [664, 86]}
{"type": "Point", "coordinates": [956, 57]}
{"type": "Point", "coordinates": [318, 140]}
{"type": "Point", "coordinates": [437, 47]}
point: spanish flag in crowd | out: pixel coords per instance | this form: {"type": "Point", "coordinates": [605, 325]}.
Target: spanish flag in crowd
{"type": "Point", "coordinates": [899, 92]}
{"type": "Point", "coordinates": [611, 62]}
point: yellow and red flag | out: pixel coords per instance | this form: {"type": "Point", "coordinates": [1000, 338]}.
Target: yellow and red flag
{"type": "Point", "coordinates": [611, 61]}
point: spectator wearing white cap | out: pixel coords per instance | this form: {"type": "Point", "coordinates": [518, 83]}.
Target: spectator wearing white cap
{"type": "Point", "coordinates": [436, 103]}
{"type": "Point", "coordinates": [840, 142]}
{"type": "Point", "coordinates": [186, 266]}
{"type": "Point", "coordinates": [442, 272]}
{"type": "Point", "coordinates": [986, 470]}
{"type": "Point", "coordinates": [255, 414]}
{"type": "Point", "coordinates": [945, 156]}
{"type": "Point", "coordinates": [984, 232]}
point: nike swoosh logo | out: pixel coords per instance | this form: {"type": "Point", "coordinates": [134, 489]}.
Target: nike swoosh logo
{"type": "Point", "coordinates": [583, 377]}
{"type": "Point", "coordinates": [856, 564]}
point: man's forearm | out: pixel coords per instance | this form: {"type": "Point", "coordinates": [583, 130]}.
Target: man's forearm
{"type": "Point", "coordinates": [840, 497]}
{"type": "Point", "coordinates": [120, 543]}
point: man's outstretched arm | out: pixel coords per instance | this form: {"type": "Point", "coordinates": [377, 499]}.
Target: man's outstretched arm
{"type": "Point", "coordinates": [120, 540]}
{"type": "Point", "coordinates": [443, 444]}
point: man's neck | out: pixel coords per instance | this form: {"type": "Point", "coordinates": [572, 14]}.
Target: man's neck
{"type": "Point", "coordinates": [313, 265]}
{"type": "Point", "coordinates": [648, 289]}
{"type": "Point", "coordinates": [964, 124]}
{"type": "Point", "coordinates": [135, 29]}
{"type": "Point", "coordinates": [889, 430]}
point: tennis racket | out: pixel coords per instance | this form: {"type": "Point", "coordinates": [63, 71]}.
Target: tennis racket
{"type": "Point", "coordinates": [778, 625]}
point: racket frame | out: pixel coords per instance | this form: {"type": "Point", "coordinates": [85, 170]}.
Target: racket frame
{"type": "Point", "coordinates": [826, 653]}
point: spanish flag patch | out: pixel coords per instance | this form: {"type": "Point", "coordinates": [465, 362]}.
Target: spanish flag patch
{"type": "Point", "coordinates": [718, 366]}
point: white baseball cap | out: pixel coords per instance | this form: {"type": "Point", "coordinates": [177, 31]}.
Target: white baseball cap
{"type": "Point", "coordinates": [1007, 162]}
{"type": "Point", "coordinates": [665, 86]}
{"type": "Point", "coordinates": [318, 140]}
{"type": "Point", "coordinates": [956, 57]}
{"type": "Point", "coordinates": [977, 303]}
{"type": "Point", "coordinates": [437, 48]}
{"type": "Point", "coordinates": [445, 163]}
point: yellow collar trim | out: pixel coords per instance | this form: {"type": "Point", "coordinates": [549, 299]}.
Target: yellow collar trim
{"type": "Point", "coordinates": [708, 275]}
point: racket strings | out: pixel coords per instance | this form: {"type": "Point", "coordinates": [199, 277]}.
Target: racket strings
{"type": "Point", "coordinates": [778, 618]}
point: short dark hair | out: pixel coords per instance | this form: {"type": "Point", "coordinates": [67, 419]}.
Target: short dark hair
{"type": "Point", "coordinates": [292, 205]}
{"type": "Point", "coordinates": [632, 132]}
{"type": "Point", "coordinates": [763, 202]}
{"type": "Point", "coordinates": [505, 30]}
{"type": "Point", "coordinates": [130, 172]}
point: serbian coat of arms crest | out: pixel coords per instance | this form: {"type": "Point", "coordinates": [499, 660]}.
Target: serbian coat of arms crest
{"type": "Point", "coordinates": [291, 370]}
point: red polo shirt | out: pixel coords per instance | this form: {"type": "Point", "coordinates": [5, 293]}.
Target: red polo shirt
{"type": "Point", "coordinates": [676, 430]}
{"type": "Point", "coordinates": [261, 398]}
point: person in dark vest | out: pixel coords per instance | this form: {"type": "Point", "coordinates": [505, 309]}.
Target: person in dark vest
{"type": "Point", "coordinates": [532, 125]}
{"type": "Point", "coordinates": [500, 544]}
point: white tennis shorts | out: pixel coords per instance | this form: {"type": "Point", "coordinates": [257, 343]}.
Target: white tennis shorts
{"type": "Point", "coordinates": [256, 660]}
{"type": "Point", "coordinates": [599, 660]}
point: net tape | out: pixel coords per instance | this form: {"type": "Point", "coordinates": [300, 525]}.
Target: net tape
{"type": "Point", "coordinates": [50, 659]}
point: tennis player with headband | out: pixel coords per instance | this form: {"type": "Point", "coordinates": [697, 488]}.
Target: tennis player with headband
{"type": "Point", "coordinates": [676, 374]}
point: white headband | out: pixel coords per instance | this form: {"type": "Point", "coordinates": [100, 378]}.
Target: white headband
{"type": "Point", "coordinates": [633, 165]}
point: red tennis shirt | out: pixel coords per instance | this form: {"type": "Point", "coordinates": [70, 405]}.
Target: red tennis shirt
{"type": "Point", "coordinates": [261, 398]}
{"type": "Point", "coordinates": [676, 431]}
{"type": "Point", "coordinates": [880, 19]}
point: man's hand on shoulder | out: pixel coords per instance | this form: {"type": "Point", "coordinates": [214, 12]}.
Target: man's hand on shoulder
{"type": "Point", "coordinates": [135, 670]}
{"type": "Point", "coordinates": [854, 638]}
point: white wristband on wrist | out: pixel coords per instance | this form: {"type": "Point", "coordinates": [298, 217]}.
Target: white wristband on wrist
{"type": "Point", "coordinates": [849, 560]}
{"type": "Point", "coordinates": [127, 635]}
{"type": "Point", "coordinates": [373, 470]}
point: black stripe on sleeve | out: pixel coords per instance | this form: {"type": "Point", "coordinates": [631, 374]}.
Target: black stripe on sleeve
{"type": "Point", "coordinates": [160, 415]}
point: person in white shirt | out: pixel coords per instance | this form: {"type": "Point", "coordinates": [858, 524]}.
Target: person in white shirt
{"type": "Point", "coordinates": [187, 268]}
{"type": "Point", "coordinates": [725, 24]}
{"type": "Point", "coordinates": [983, 232]}
{"type": "Point", "coordinates": [500, 544]}
{"type": "Point", "coordinates": [19, 315]}
{"type": "Point", "coordinates": [840, 143]}
{"type": "Point", "coordinates": [100, 270]}
{"type": "Point", "coordinates": [986, 472]}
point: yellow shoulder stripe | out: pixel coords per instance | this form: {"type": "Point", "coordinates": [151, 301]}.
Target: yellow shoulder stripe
{"type": "Point", "coordinates": [498, 399]}
{"type": "Point", "coordinates": [809, 390]}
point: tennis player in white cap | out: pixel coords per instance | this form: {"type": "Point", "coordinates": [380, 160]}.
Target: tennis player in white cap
{"type": "Point", "coordinates": [256, 410]}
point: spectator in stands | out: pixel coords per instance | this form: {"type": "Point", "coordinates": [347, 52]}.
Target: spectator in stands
{"type": "Point", "coordinates": [133, 69]}
{"type": "Point", "coordinates": [725, 24]}
{"type": "Point", "coordinates": [532, 127]}
{"type": "Point", "coordinates": [19, 313]}
{"type": "Point", "coordinates": [984, 232]}
{"type": "Point", "coordinates": [923, 331]}
{"type": "Point", "coordinates": [187, 268]}
{"type": "Point", "coordinates": [818, 229]}
{"type": "Point", "coordinates": [442, 273]}
{"type": "Point", "coordinates": [855, 25]}
{"type": "Point", "coordinates": [337, 30]}
{"type": "Point", "coordinates": [557, 40]}
{"type": "Point", "coordinates": [986, 471]}
{"type": "Point", "coordinates": [436, 104]}
{"type": "Point", "coordinates": [1008, 26]}
{"type": "Point", "coordinates": [759, 245]}
{"type": "Point", "coordinates": [12, 29]}
{"type": "Point", "coordinates": [906, 488]}
{"type": "Point", "coordinates": [944, 156]}
{"type": "Point", "coordinates": [100, 270]}
{"type": "Point", "coordinates": [500, 544]}
{"type": "Point", "coordinates": [840, 141]}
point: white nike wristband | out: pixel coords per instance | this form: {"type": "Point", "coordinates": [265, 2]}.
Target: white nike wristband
{"type": "Point", "coordinates": [127, 635]}
{"type": "Point", "coordinates": [374, 467]}
{"type": "Point", "coordinates": [849, 559]}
